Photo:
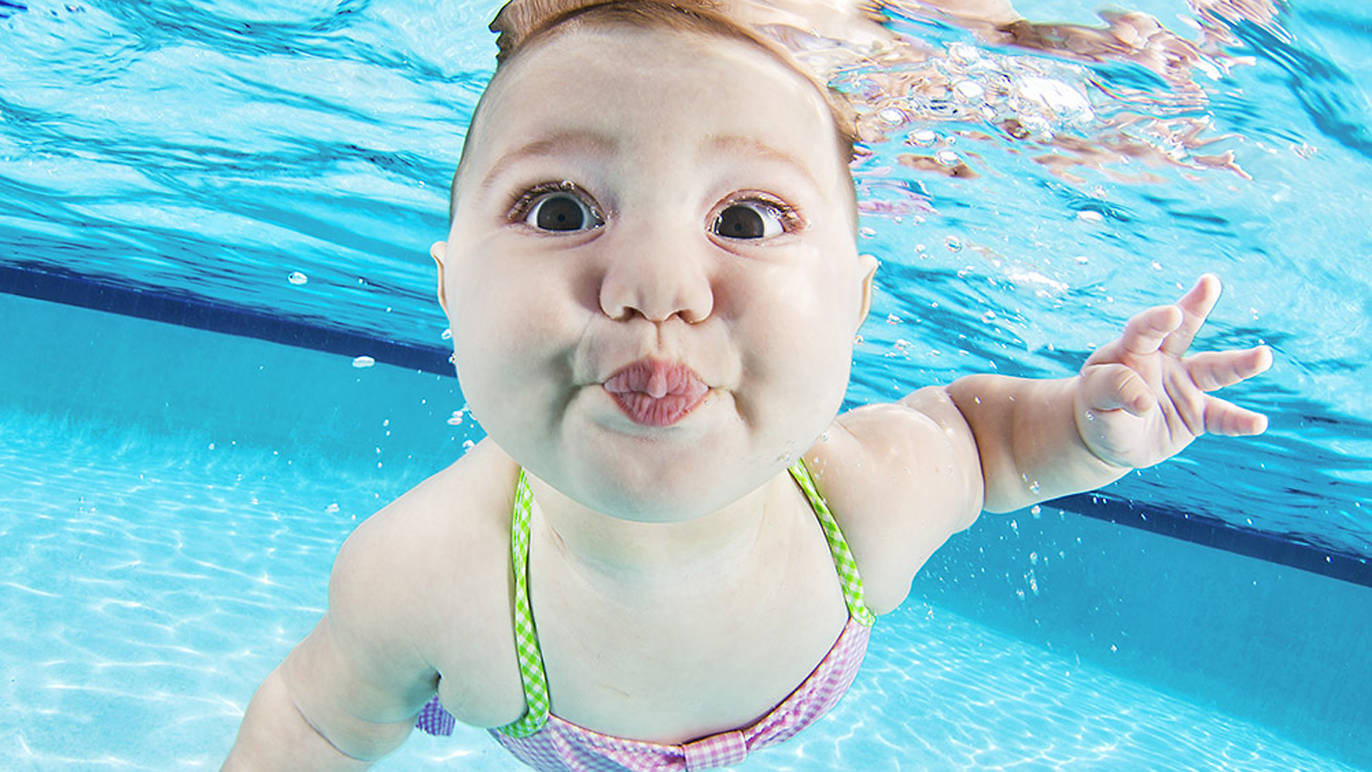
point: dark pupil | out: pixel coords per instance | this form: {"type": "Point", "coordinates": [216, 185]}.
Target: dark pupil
{"type": "Point", "coordinates": [740, 222]}
{"type": "Point", "coordinates": [560, 213]}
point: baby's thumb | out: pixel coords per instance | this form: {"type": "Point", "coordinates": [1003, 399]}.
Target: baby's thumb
{"type": "Point", "coordinates": [1115, 387]}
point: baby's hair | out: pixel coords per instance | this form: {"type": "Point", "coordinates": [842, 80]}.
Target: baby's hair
{"type": "Point", "coordinates": [521, 24]}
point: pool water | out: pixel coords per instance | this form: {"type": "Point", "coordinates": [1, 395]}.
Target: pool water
{"type": "Point", "coordinates": [222, 352]}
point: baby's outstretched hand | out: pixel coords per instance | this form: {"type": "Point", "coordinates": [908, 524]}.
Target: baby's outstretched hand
{"type": "Point", "coordinates": [1140, 401]}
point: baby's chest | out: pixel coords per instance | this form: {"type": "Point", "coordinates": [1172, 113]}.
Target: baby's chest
{"type": "Point", "coordinates": [681, 671]}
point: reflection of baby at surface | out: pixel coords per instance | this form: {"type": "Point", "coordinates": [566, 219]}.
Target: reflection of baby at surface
{"type": "Point", "coordinates": [670, 548]}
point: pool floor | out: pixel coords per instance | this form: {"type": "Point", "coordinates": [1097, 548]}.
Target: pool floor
{"type": "Point", "coordinates": [150, 583]}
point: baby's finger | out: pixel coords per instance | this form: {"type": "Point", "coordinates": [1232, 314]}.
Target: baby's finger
{"type": "Point", "coordinates": [1217, 369]}
{"type": "Point", "coordinates": [1116, 387]}
{"type": "Point", "coordinates": [1145, 332]}
{"type": "Point", "coordinates": [1195, 306]}
{"type": "Point", "coordinates": [1226, 418]}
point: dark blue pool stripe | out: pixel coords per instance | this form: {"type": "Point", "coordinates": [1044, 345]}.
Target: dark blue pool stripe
{"type": "Point", "coordinates": [1216, 533]}
{"type": "Point", "coordinates": [57, 285]}
{"type": "Point", "coordinates": [61, 286]}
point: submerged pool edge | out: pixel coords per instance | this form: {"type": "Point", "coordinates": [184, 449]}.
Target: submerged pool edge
{"type": "Point", "coordinates": [1208, 532]}
{"type": "Point", "coordinates": [186, 310]}
{"type": "Point", "coordinates": [72, 289]}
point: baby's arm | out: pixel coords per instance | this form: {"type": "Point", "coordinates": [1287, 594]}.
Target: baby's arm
{"type": "Point", "coordinates": [349, 693]}
{"type": "Point", "coordinates": [1136, 402]}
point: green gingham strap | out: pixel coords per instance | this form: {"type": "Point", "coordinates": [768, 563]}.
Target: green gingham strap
{"type": "Point", "coordinates": [838, 547]}
{"type": "Point", "coordinates": [526, 637]}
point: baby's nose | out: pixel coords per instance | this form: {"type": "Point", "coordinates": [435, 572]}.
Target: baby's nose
{"type": "Point", "coordinates": [656, 280]}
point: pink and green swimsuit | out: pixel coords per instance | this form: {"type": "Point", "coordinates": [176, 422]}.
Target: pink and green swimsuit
{"type": "Point", "coordinates": [551, 744]}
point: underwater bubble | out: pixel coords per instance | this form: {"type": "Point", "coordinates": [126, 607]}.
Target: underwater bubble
{"type": "Point", "coordinates": [297, 278]}
{"type": "Point", "coordinates": [455, 419]}
{"type": "Point", "coordinates": [447, 334]}
{"type": "Point", "coordinates": [1036, 511]}
{"type": "Point", "coordinates": [953, 243]}
{"type": "Point", "coordinates": [925, 137]}
{"type": "Point", "coordinates": [892, 319]}
{"type": "Point", "coordinates": [948, 158]}
{"type": "Point", "coordinates": [969, 90]}
{"type": "Point", "coordinates": [331, 509]}
{"type": "Point", "coordinates": [363, 361]}
{"type": "Point", "coordinates": [1089, 215]}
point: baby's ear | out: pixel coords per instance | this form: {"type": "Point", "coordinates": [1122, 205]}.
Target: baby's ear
{"type": "Point", "coordinates": [868, 265]}
{"type": "Point", "coordinates": [436, 252]}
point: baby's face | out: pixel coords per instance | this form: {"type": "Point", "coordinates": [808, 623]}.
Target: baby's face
{"type": "Point", "coordinates": [651, 275]}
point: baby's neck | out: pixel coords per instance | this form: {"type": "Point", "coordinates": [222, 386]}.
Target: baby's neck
{"type": "Point", "coordinates": [654, 556]}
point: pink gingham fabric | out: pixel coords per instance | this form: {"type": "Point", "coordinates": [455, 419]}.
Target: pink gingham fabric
{"type": "Point", "coordinates": [561, 746]}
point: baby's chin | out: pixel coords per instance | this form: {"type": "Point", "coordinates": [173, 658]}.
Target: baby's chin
{"type": "Point", "coordinates": [660, 488]}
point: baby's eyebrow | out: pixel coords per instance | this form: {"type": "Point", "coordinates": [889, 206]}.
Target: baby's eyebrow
{"type": "Point", "coordinates": [584, 141]}
{"type": "Point", "coordinates": [752, 147]}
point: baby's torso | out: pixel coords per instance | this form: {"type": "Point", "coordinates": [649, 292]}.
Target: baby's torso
{"type": "Point", "coordinates": [709, 655]}
{"type": "Point", "coordinates": [667, 666]}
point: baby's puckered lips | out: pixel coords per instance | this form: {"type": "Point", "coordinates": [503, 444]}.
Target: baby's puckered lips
{"type": "Point", "coordinates": [654, 392]}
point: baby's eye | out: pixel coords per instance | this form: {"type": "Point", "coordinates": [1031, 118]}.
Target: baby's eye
{"type": "Point", "coordinates": [752, 220]}
{"type": "Point", "coordinates": [558, 210]}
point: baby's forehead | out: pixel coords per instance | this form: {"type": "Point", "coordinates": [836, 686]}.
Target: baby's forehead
{"type": "Point", "coordinates": [582, 61]}
{"type": "Point", "coordinates": [615, 65]}
{"type": "Point", "coordinates": [636, 49]}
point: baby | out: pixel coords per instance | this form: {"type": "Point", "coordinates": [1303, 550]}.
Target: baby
{"type": "Point", "coordinates": [670, 548]}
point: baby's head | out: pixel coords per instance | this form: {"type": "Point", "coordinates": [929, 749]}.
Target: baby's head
{"type": "Point", "coordinates": [651, 274]}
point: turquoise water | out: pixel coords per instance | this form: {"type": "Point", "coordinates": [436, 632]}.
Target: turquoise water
{"type": "Point", "coordinates": [171, 498]}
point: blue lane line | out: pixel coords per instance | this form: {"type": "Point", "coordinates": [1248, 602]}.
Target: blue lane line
{"type": "Point", "coordinates": [1213, 532]}
{"type": "Point", "coordinates": [57, 285]}
{"type": "Point", "coordinates": [189, 310]}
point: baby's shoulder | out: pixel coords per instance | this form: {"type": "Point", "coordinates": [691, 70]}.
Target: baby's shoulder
{"type": "Point", "coordinates": [449, 525]}
{"type": "Point", "coordinates": [899, 483]}
{"type": "Point", "coordinates": [438, 559]}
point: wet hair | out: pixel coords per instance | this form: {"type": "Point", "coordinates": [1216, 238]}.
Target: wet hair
{"type": "Point", "coordinates": [523, 24]}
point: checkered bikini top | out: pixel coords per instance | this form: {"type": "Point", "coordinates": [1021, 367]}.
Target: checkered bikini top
{"type": "Point", "coordinates": [552, 744]}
